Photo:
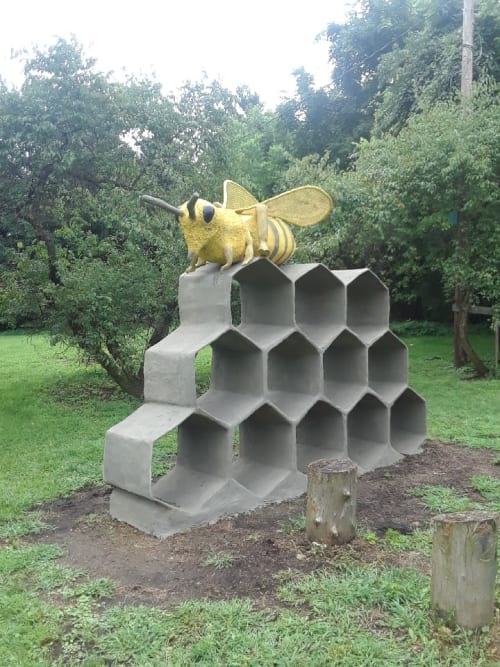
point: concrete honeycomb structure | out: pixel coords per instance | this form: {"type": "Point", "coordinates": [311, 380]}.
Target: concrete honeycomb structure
{"type": "Point", "coordinates": [310, 371]}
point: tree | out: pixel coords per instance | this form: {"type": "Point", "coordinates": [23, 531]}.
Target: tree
{"type": "Point", "coordinates": [77, 247]}
{"type": "Point", "coordinates": [397, 211]}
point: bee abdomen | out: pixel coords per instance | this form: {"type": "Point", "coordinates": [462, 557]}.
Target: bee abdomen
{"type": "Point", "coordinates": [280, 241]}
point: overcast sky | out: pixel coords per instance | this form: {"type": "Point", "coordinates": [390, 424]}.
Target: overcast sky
{"type": "Point", "coordinates": [258, 43]}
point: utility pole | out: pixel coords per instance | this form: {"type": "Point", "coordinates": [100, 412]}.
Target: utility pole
{"type": "Point", "coordinates": [467, 45]}
{"type": "Point", "coordinates": [463, 351]}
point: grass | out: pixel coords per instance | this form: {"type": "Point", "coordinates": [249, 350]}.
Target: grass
{"type": "Point", "coordinates": [458, 410]}
{"type": "Point", "coordinates": [294, 525]}
{"type": "Point", "coordinates": [53, 420]}
{"type": "Point", "coordinates": [219, 560]}
{"type": "Point", "coordinates": [49, 447]}
{"type": "Point", "coordinates": [443, 499]}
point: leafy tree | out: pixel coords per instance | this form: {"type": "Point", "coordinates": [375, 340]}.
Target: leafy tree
{"type": "Point", "coordinates": [78, 250]}
{"type": "Point", "coordinates": [389, 58]}
{"type": "Point", "coordinates": [427, 67]}
{"type": "Point", "coordinates": [397, 211]}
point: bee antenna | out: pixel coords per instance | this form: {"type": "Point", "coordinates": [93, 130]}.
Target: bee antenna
{"type": "Point", "coordinates": [190, 205]}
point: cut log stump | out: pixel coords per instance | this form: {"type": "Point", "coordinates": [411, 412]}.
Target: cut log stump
{"type": "Point", "coordinates": [331, 501]}
{"type": "Point", "coordinates": [464, 564]}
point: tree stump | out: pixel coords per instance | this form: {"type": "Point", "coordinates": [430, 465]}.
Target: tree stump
{"type": "Point", "coordinates": [464, 559]}
{"type": "Point", "coordinates": [331, 501]}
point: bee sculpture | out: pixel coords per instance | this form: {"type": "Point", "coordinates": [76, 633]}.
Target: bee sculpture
{"type": "Point", "coordinates": [242, 228]}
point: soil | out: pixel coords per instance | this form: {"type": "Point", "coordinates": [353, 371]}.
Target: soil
{"type": "Point", "coordinates": [263, 545]}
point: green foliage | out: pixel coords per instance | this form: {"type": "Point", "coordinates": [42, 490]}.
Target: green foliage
{"type": "Point", "coordinates": [412, 328]}
{"type": "Point", "coordinates": [392, 213]}
{"type": "Point", "coordinates": [489, 488]}
{"type": "Point", "coordinates": [419, 540]}
{"type": "Point", "coordinates": [219, 560]}
{"type": "Point", "coordinates": [444, 499]}
{"type": "Point", "coordinates": [78, 252]}
{"type": "Point", "coordinates": [28, 523]}
{"type": "Point", "coordinates": [296, 524]}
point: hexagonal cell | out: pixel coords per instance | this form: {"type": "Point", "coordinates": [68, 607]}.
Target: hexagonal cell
{"type": "Point", "coordinates": [129, 446]}
{"type": "Point", "coordinates": [368, 432]}
{"type": "Point", "coordinates": [237, 378]}
{"type": "Point", "coordinates": [266, 301]}
{"type": "Point", "coordinates": [345, 367]}
{"type": "Point", "coordinates": [320, 305]}
{"type": "Point", "coordinates": [408, 422]}
{"type": "Point", "coordinates": [266, 451]}
{"type": "Point", "coordinates": [294, 375]}
{"type": "Point", "coordinates": [204, 455]}
{"type": "Point", "coordinates": [388, 366]}
{"type": "Point", "coordinates": [321, 434]}
{"type": "Point", "coordinates": [169, 366]}
{"type": "Point", "coordinates": [237, 365]}
{"type": "Point", "coordinates": [367, 303]}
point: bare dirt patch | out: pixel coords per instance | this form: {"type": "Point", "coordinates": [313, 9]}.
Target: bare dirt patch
{"type": "Point", "coordinates": [260, 544]}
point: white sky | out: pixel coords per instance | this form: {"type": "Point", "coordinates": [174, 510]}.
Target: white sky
{"type": "Point", "coordinates": [258, 43]}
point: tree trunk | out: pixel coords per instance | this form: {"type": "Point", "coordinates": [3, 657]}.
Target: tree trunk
{"type": "Point", "coordinates": [131, 384]}
{"type": "Point", "coordinates": [331, 501]}
{"type": "Point", "coordinates": [463, 350]}
{"type": "Point", "coordinates": [464, 553]}
{"type": "Point", "coordinates": [460, 326]}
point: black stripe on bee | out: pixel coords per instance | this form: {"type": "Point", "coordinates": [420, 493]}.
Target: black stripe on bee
{"type": "Point", "coordinates": [276, 245]}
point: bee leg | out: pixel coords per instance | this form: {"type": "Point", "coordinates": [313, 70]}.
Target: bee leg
{"type": "Point", "coordinates": [248, 249]}
{"type": "Point", "coordinates": [261, 211]}
{"type": "Point", "coordinates": [228, 254]}
{"type": "Point", "coordinates": [193, 258]}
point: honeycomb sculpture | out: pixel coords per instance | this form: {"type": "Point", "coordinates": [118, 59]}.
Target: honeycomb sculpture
{"type": "Point", "coordinates": [311, 371]}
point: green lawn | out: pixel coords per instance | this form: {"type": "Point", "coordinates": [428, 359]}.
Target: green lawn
{"type": "Point", "coordinates": [53, 417]}
{"type": "Point", "coordinates": [464, 411]}
{"type": "Point", "coordinates": [53, 421]}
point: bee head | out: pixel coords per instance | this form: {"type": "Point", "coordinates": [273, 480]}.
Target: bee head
{"type": "Point", "coordinates": [198, 210]}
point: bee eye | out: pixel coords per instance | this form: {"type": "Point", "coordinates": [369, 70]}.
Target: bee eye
{"type": "Point", "coordinates": [208, 213]}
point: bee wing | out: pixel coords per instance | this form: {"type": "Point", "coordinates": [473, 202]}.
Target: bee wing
{"type": "Point", "coordinates": [302, 206]}
{"type": "Point", "coordinates": [236, 197]}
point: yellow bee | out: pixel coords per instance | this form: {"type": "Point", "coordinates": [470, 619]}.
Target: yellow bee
{"type": "Point", "coordinates": [241, 227]}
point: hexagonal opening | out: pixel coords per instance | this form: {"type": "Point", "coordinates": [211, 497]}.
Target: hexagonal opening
{"type": "Point", "coordinates": [236, 379]}
{"type": "Point", "coordinates": [266, 300]}
{"type": "Point", "coordinates": [203, 466]}
{"type": "Point", "coordinates": [345, 365]}
{"type": "Point", "coordinates": [367, 432]}
{"type": "Point", "coordinates": [237, 365]}
{"type": "Point", "coordinates": [203, 370]}
{"type": "Point", "coordinates": [236, 443]}
{"type": "Point", "coordinates": [142, 446]}
{"type": "Point", "coordinates": [235, 304]}
{"type": "Point", "coordinates": [367, 302]}
{"type": "Point", "coordinates": [164, 455]}
{"type": "Point", "coordinates": [320, 435]}
{"type": "Point", "coordinates": [408, 422]}
{"type": "Point", "coordinates": [320, 305]}
{"type": "Point", "coordinates": [388, 366]}
{"type": "Point", "coordinates": [266, 451]}
{"type": "Point", "coordinates": [293, 374]}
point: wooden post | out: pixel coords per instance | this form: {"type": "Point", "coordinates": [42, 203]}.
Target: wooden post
{"type": "Point", "coordinates": [331, 501]}
{"type": "Point", "coordinates": [464, 556]}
